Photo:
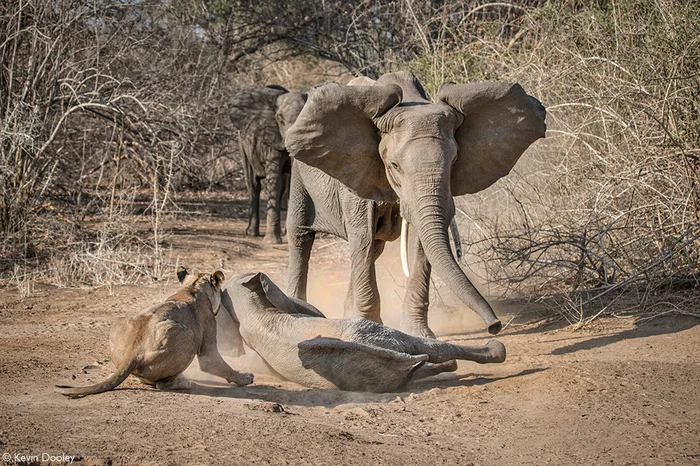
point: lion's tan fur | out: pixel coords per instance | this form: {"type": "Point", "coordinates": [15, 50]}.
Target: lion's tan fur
{"type": "Point", "coordinates": [158, 344]}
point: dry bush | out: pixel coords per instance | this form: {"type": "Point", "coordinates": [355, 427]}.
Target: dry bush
{"type": "Point", "coordinates": [99, 101]}
{"type": "Point", "coordinates": [609, 201]}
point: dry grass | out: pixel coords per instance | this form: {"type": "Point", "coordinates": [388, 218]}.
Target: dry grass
{"type": "Point", "coordinates": [608, 203]}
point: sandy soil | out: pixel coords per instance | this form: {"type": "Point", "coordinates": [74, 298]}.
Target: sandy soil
{"type": "Point", "coordinates": [619, 391]}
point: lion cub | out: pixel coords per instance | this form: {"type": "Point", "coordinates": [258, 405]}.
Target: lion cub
{"type": "Point", "coordinates": [158, 344]}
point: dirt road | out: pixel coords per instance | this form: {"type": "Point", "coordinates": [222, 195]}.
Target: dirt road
{"type": "Point", "coordinates": [616, 392]}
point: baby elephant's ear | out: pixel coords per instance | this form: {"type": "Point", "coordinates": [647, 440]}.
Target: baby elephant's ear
{"type": "Point", "coordinates": [181, 274]}
{"type": "Point", "coordinates": [335, 133]}
{"type": "Point", "coordinates": [261, 285]}
{"type": "Point", "coordinates": [217, 279]}
{"type": "Point", "coordinates": [500, 122]}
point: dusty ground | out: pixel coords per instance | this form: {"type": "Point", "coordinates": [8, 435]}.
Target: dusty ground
{"type": "Point", "coordinates": [616, 392]}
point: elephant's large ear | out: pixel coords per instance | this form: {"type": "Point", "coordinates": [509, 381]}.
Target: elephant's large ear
{"type": "Point", "coordinates": [289, 106]}
{"type": "Point", "coordinates": [335, 133]}
{"type": "Point", "coordinates": [500, 123]}
{"type": "Point", "coordinates": [252, 111]}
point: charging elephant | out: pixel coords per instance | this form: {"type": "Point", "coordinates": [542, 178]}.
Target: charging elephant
{"type": "Point", "coordinates": [300, 344]}
{"type": "Point", "coordinates": [256, 113]}
{"type": "Point", "coordinates": [369, 153]}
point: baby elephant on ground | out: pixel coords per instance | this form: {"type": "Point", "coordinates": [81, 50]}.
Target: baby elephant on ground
{"type": "Point", "coordinates": [300, 344]}
{"type": "Point", "coordinates": [158, 344]}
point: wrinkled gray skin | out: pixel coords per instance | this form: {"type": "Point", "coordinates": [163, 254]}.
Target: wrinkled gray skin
{"type": "Point", "coordinates": [256, 114]}
{"type": "Point", "coordinates": [301, 345]}
{"type": "Point", "coordinates": [367, 154]}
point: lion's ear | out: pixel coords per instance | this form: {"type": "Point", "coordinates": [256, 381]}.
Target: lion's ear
{"type": "Point", "coordinates": [217, 279]}
{"type": "Point", "coordinates": [181, 274]}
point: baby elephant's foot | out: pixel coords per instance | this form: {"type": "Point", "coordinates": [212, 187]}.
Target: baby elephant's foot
{"type": "Point", "coordinates": [428, 369]}
{"type": "Point", "coordinates": [241, 378]}
{"type": "Point", "coordinates": [495, 351]}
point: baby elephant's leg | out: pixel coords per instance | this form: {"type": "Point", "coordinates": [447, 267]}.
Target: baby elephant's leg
{"type": "Point", "coordinates": [438, 351]}
{"type": "Point", "coordinates": [429, 369]}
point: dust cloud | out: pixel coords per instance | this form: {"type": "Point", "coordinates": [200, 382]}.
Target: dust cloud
{"type": "Point", "coordinates": [329, 275]}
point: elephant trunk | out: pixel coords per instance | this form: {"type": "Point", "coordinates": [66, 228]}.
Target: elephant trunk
{"type": "Point", "coordinates": [433, 234]}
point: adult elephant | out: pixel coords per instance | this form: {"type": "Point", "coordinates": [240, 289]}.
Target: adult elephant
{"type": "Point", "coordinates": [256, 113]}
{"type": "Point", "coordinates": [369, 153]}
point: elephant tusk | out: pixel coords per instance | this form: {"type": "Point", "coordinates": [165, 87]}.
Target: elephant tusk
{"type": "Point", "coordinates": [404, 246]}
{"type": "Point", "coordinates": [455, 238]}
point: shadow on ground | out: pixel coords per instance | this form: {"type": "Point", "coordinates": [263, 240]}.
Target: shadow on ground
{"type": "Point", "coordinates": [643, 328]}
{"type": "Point", "coordinates": [332, 398]}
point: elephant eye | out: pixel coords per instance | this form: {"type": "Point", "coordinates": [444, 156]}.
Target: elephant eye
{"type": "Point", "coordinates": [395, 166]}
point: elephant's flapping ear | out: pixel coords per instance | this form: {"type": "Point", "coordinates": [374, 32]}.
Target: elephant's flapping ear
{"type": "Point", "coordinates": [500, 123]}
{"type": "Point", "coordinates": [335, 133]}
{"type": "Point", "coordinates": [252, 111]}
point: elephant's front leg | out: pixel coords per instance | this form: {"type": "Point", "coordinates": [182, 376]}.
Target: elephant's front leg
{"type": "Point", "coordinates": [273, 192]}
{"type": "Point", "coordinates": [300, 237]}
{"type": "Point", "coordinates": [414, 315]}
{"type": "Point", "coordinates": [363, 293]}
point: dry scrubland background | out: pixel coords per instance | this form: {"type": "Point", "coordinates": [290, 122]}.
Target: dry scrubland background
{"type": "Point", "coordinates": [113, 115]}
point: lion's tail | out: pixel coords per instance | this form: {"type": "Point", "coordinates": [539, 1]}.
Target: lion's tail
{"type": "Point", "coordinates": [109, 384]}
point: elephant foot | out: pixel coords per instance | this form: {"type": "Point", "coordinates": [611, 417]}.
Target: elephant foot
{"type": "Point", "coordinates": [273, 239]}
{"type": "Point", "coordinates": [252, 232]}
{"type": "Point", "coordinates": [495, 352]}
{"type": "Point", "coordinates": [416, 329]}
{"type": "Point", "coordinates": [369, 312]}
{"type": "Point", "coordinates": [373, 316]}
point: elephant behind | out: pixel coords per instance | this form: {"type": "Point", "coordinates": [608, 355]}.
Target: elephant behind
{"type": "Point", "coordinates": [257, 113]}
{"type": "Point", "coordinates": [367, 154]}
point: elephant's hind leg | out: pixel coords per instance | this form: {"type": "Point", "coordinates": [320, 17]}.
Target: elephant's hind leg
{"type": "Point", "coordinates": [428, 369]}
{"type": "Point", "coordinates": [253, 185]}
{"type": "Point", "coordinates": [273, 192]}
{"type": "Point", "coordinates": [246, 149]}
{"type": "Point", "coordinates": [438, 351]}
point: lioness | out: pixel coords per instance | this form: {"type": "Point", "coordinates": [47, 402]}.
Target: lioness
{"type": "Point", "coordinates": [158, 344]}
